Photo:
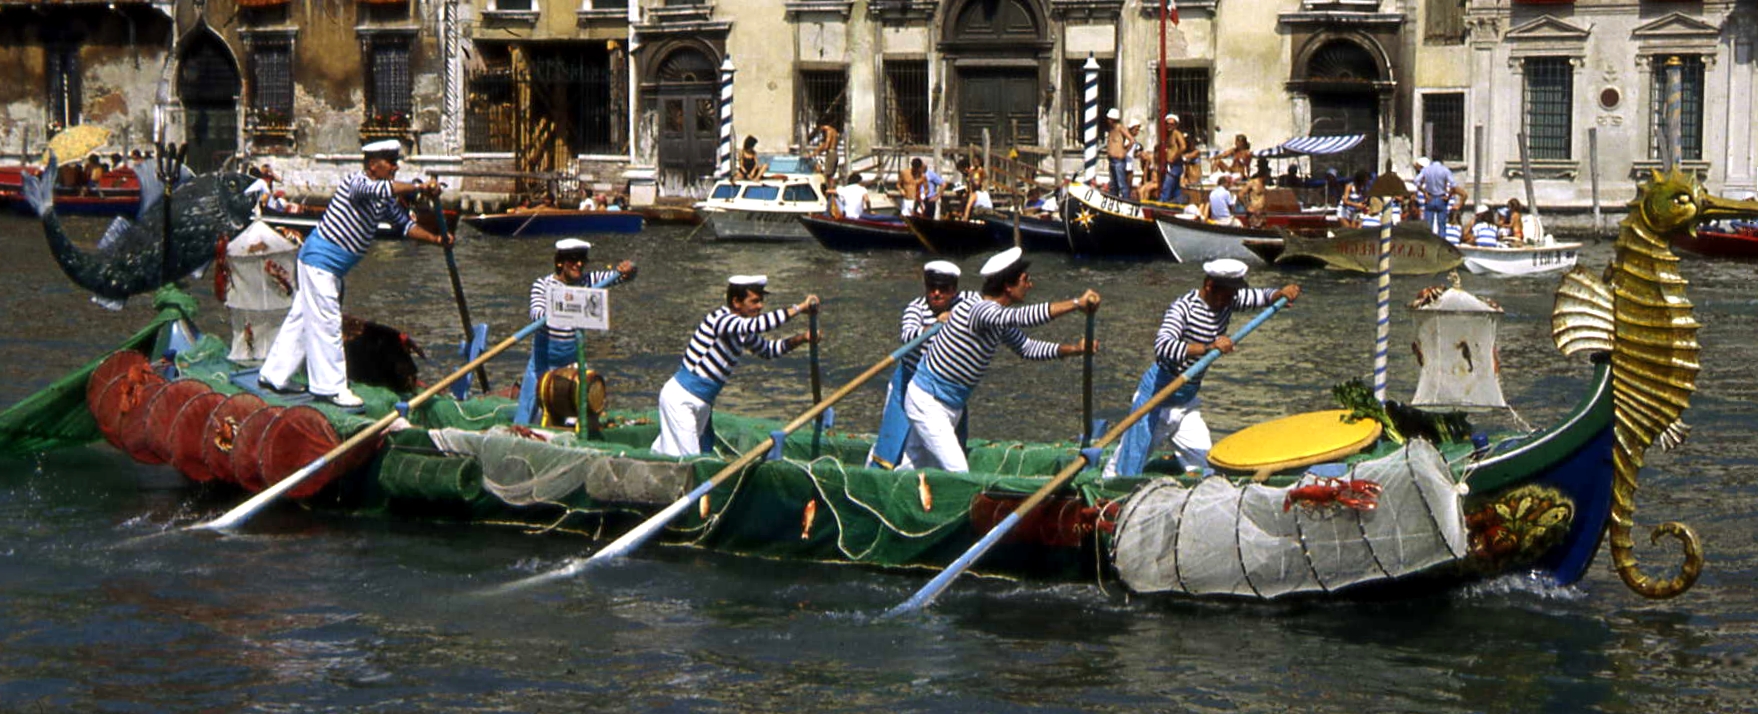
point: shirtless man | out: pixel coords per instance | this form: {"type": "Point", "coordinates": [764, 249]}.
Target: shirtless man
{"type": "Point", "coordinates": [1117, 141]}
{"type": "Point", "coordinates": [909, 183]}
{"type": "Point", "coordinates": [1178, 151]}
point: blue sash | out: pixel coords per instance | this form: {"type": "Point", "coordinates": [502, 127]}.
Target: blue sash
{"type": "Point", "coordinates": [319, 252]}
{"type": "Point", "coordinates": [949, 393]}
{"type": "Point", "coordinates": [703, 388]}
{"type": "Point", "coordinates": [1132, 454]}
{"type": "Point", "coordinates": [546, 354]}
{"type": "Point", "coordinates": [894, 425]}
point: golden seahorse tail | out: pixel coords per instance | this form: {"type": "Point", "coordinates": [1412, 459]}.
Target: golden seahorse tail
{"type": "Point", "coordinates": [1623, 550]}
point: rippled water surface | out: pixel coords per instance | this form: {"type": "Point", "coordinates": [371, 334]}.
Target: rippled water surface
{"type": "Point", "coordinates": [311, 611]}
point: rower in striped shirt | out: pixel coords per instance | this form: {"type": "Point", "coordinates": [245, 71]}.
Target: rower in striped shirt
{"type": "Point", "coordinates": [959, 355]}
{"type": "Point", "coordinates": [1194, 324]}
{"type": "Point", "coordinates": [554, 347]}
{"type": "Point", "coordinates": [686, 403]}
{"type": "Point", "coordinates": [312, 331]}
{"type": "Point", "coordinates": [940, 294]}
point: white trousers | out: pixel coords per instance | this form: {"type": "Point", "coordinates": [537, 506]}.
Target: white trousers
{"type": "Point", "coordinates": [933, 439]}
{"type": "Point", "coordinates": [311, 335]}
{"type": "Point", "coordinates": [1182, 424]}
{"type": "Point", "coordinates": [683, 419]}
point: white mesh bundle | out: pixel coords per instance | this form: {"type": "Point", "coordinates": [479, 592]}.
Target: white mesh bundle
{"type": "Point", "coordinates": [523, 471]}
{"type": "Point", "coordinates": [258, 302]}
{"type": "Point", "coordinates": [1221, 539]}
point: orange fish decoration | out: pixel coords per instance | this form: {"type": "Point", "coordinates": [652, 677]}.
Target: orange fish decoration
{"type": "Point", "coordinates": [922, 489]}
{"type": "Point", "coordinates": [806, 522]}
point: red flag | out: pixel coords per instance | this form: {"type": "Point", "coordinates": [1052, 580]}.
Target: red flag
{"type": "Point", "coordinates": [1172, 11]}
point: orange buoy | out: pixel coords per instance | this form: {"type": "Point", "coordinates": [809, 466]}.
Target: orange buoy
{"type": "Point", "coordinates": [221, 430]}
{"type": "Point", "coordinates": [186, 435]}
{"type": "Point", "coordinates": [163, 410]}
{"type": "Point", "coordinates": [299, 436]}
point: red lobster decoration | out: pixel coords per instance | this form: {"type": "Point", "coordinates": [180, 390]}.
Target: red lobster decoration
{"type": "Point", "coordinates": [1357, 494]}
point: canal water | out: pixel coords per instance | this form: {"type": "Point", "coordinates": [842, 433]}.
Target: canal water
{"type": "Point", "coordinates": [311, 611]}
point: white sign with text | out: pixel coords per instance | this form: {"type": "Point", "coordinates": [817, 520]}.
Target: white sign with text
{"type": "Point", "coordinates": [579, 309]}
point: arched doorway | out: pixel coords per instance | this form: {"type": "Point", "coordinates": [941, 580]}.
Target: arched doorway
{"type": "Point", "coordinates": [1343, 81]}
{"type": "Point", "coordinates": [208, 85]}
{"type": "Point", "coordinates": [689, 114]}
{"type": "Point", "coordinates": [996, 48]}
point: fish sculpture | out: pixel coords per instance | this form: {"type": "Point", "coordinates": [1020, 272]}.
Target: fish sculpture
{"type": "Point", "coordinates": [1640, 314]}
{"type": "Point", "coordinates": [130, 259]}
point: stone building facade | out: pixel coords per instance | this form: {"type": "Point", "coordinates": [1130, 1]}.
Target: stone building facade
{"type": "Point", "coordinates": [517, 96]}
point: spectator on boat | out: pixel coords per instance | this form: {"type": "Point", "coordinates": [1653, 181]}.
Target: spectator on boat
{"type": "Point", "coordinates": [1150, 179]}
{"type": "Point", "coordinates": [1354, 202]}
{"type": "Point", "coordinates": [277, 202]}
{"type": "Point", "coordinates": [832, 201]}
{"type": "Point", "coordinates": [1178, 152]}
{"type": "Point", "coordinates": [956, 359]}
{"type": "Point", "coordinates": [94, 172]}
{"type": "Point", "coordinates": [909, 188]}
{"type": "Point", "coordinates": [749, 168]}
{"type": "Point", "coordinates": [554, 347]}
{"type": "Point", "coordinates": [976, 187]}
{"type": "Point", "coordinates": [71, 176]}
{"type": "Point", "coordinates": [1435, 187]}
{"type": "Point", "coordinates": [264, 185]}
{"type": "Point", "coordinates": [311, 334]}
{"type": "Point", "coordinates": [853, 196]}
{"type": "Point", "coordinates": [618, 202]}
{"type": "Point", "coordinates": [1455, 232]}
{"type": "Point", "coordinates": [1377, 208]}
{"type": "Point", "coordinates": [589, 202]}
{"type": "Point", "coordinates": [1255, 195]}
{"type": "Point", "coordinates": [1291, 177]}
{"type": "Point", "coordinates": [939, 294]}
{"type": "Point", "coordinates": [1117, 141]}
{"type": "Point", "coordinates": [1132, 164]}
{"type": "Point", "coordinates": [933, 185]}
{"type": "Point", "coordinates": [1511, 218]}
{"type": "Point", "coordinates": [686, 403]}
{"type": "Point", "coordinates": [1221, 202]}
{"type": "Point", "coordinates": [1194, 324]}
{"type": "Point", "coordinates": [828, 140]}
{"type": "Point", "coordinates": [1236, 160]}
{"type": "Point", "coordinates": [1484, 233]}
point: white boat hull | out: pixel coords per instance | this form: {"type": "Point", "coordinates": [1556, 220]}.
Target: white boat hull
{"type": "Point", "coordinates": [1192, 242]}
{"type": "Point", "coordinates": [1527, 260]}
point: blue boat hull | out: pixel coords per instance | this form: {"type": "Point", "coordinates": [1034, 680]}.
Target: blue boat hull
{"type": "Point", "coordinates": [548, 223]}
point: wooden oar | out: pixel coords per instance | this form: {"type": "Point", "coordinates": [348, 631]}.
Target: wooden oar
{"type": "Point", "coordinates": [439, 218]}
{"type": "Point", "coordinates": [944, 580]}
{"type": "Point", "coordinates": [817, 389]}
{"type": "Point", "coordinates": [249, 508]}
{"type": "Point", "coordinates": [1086, 379]}
{"type": "Point", "coordinates": [647, 529]}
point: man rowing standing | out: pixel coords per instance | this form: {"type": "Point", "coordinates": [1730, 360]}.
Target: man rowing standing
{"type": "Point", "coordinates": [312, 331]}
{"type": "Point", "coordinates": [553, 347]}
{"type": "Point", "coordinates": [686, 403]}
{"type": "Point", "coordinates": [959, 355]}
{"type": "Point", "coordinates": [1194, 324]}
{"type": "Point", "coordinates": [940, 294]}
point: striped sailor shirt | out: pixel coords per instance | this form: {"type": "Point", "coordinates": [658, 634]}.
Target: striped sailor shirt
{"type": "Point", "coordinates": [540, 296]}
{"type": "Point", "coordinates": [1189, 319]}
{"type": "Point", "coordinates": [715, 348]}
{"type": "Point", "coordinates": [962, 351]}
{"type": "Point", "coordinates": [355, 211]}
{"type": "Point", "coordinates": [917, 316]}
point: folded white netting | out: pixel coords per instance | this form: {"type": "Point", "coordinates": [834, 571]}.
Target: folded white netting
{"type": "Point", "coordinates": [1219, 538]}
{"type": "Point", "coordinates": [524, 471]}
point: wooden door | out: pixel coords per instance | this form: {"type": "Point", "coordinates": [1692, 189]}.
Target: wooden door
{"type": "Point", "coordinates": [1001, 100]}
{"type": "Point", "coordinates": [688, 132]}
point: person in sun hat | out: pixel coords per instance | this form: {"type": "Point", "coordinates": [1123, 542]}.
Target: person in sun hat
{"type": "Point", "coordinates": [686, 403]}
{"type": "Point", "coordinates": [553, 347]}
{"type": "Point", "coordinates": [311, 335]}
{"type": "Point", "coordinates": [1178, 153]}
{"type": "Point", "coordinates": [940, 294]}
{"type": "Point", "coordinates": [959, 355]}
{"type": "Point", "coordinates": [1436, 189]}
{"type": "Point", "coordinates": [1194, 324]}
{"type": "Point", "coordinates": [1118, 138]}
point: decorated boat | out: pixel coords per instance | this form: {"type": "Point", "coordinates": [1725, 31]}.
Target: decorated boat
{"type": "Point", "coordinates": [1103, 225]}
{"type": "Point", "coordinates": [1739, 240]}
{"type": "Point", "coordinates": [1415, 250]}
{"type": "Point", "coordinates": [871, 232]}
{"type": "Point", "coordinates": [555, 221]}
{"type": "Point", "coordinates": [953, 236]}
{"type": "Point", "coordinates": [1369, 499]}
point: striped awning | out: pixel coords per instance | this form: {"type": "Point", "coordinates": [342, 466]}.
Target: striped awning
{"type": "Point", "coordinates": [1312, 145]}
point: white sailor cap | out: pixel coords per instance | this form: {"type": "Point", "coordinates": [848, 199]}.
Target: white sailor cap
{"type": "Point", "coordinates": [1483, 208]}
{"type": "Point", "coordinates": [1226, 271]}
{"type": "Point", "coordinates": [941, 267]}
{"type": "Point", "coordinates": [1172, 118]}
{"type": "Point", "coordinates": [753, 282]}
{"type": "Point", "coordinates": [1002, 261]}
{"type": "Point", "coordinates": [1421, 161]}
{"type": "Point", "coordinates": [385, 146]}
{"type": "Point", "coordinates": [567, 245]}
{"type": "Point", "coordinates": [1134, 122]}
{"type": "Point", "coordinates": [1112, 113]}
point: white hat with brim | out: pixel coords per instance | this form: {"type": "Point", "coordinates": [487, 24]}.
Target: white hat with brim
{"type": "Point", "coordinates": [383, 146]}
{"type": "Point", "coordinates": [1226, 271]}
{"type": "Point", "coordinates": [1421, 161]}
{"type": "Point", "coordinates": [758, 283]}
{"type": "Point", "coordinates": [1172, 118]}
{"type": "Point", "coordinates": [1002, 261]}
{"type": "Point", "coordinates": [1112, 113]}
{"type": "Point", "coordinates": [567, 245]}
{"type": "Point", "coordinates": [941, 267]}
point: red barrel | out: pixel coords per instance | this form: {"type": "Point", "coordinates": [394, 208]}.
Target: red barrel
{"type": "Point", "coordinates": [221, 432]}
{"type": "Point", "coordinates": [163, 410]}
{"type": "Point", "coordinates": [300, 436]}
{"type": "Point", "coordinates": [247, 448]}
{"type": "Point", "coordinates": [187, 431]}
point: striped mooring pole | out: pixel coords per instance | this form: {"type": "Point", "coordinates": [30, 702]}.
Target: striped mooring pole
{"type": "Point", "coordinates": [1089, 121]}
{"type": "Point", "coordinates": [723, 154]}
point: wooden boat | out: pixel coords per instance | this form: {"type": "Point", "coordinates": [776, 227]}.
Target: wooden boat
{"type": "Point", "coordinates": [308, 216]}
{"type": "Point", "coordinates": [951, 236]}
{"type": "Point", "coordinates": [668, 213]}
{"type": "Point", "coordinates": [1415, 250]}
{"type": "Point", "coordinates": [1196, 240]}
{"type": "Point", "coordinates": [1512, 261]}
{"type": "Point", "coordinates": [873, 232]}
{"type": "Point", "coordinates": [555, 221]}
{"type": "Point", "coordinates": [766, 210]}
{"type": "Point", "coordinates": [1102, 225]}
{"type": "Point", "coordinates": [1738, 242]}
{"type": "Point", "coordinates": [1036, 235]}
{"type": "Point", "coordinates": [118, 194]}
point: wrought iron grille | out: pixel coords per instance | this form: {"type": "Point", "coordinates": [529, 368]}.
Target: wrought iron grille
{"type": "Point", "coordinates": [906, 102]}
{"type": "Point", "coordinates": [584, 79]}
{"type": "Point", "coordinates": [822, 99]}
{"type": "Point", "coordinates": [1074, 89]}
{"type": "Point", "coordinates": [489, 118]}
{"type": "Point", "coordinates": [1550, 91]}
{"type": "Point", "coordinates": [391, 89]}
{"type": "Point", "coordinates": [1443, 126]}
{"type": "Point", "coordinates": [1187, 95]}
{"type": "Point", "coordinates": [65, 85]}
{"type": "Point", "coordinates": [1690, 108]}
{"type": "Point", "coordinates": [271, 87]}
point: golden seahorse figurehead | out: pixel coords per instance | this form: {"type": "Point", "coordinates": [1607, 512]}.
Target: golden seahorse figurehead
{"type": "Point", "coordinates": [1641, 315]}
